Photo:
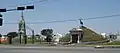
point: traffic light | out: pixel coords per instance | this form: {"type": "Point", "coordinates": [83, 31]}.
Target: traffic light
{"type": "Point", "coordinates": [2, 10]}
{"type": "Point", "coordinates": [0, 15]}
{"type": "Point", "coordinates": [1, 21]}
{"type": "Point", "coordinates": [29, 7]}
{"type": "Point", "coordinates": [20, 8]}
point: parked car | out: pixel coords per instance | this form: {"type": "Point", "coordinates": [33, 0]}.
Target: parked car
{"type": "Point", "coordinates": [98, 46]}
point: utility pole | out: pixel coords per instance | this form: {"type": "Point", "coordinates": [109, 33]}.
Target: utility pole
{"type": "Point", "coordinates": [33, 37]}
{"type": "Point", "coordinates": [22, 29]}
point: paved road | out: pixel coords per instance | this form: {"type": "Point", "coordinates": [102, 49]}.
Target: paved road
{"type": "Point", "coordinates": [56, 50]}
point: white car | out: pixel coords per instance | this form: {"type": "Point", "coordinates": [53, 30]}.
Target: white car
{"type": "Point", "coordinates": [98, 46]}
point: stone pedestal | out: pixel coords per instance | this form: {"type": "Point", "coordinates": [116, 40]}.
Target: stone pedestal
{"type": "Point", "coordinates": [78, 41]}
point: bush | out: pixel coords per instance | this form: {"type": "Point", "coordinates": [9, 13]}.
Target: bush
{"type": "Point", "coordinates": [65, 38]}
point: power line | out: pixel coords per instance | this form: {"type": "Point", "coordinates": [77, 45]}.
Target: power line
{"type": "Point", "coordinates": [44, 22]}
{"type": "Point", "coordinates": [28, 3]}
{"type": "Point", "coordinates": [29, 28]}
{"type": "Point", "coordinates": [68, 20]}
{"type": "Point", "coordinates": [51, 22]}
{"type": "Point", "coordinates": [101, 17]}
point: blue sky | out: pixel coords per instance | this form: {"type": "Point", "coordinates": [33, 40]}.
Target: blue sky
{"type": "Point", "coordinates": [64, 10]}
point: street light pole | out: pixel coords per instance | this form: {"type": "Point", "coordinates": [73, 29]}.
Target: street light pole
{"type": "Point", "coordinates": [24, 28]}
{"type": "Point", "coordinates": [33, 37]}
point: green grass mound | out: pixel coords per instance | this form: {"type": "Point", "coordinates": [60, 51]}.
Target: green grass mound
{"type": "Point", "coordinates": [114, 43]}
{"type": "Point", "coordinates": [90, 35]}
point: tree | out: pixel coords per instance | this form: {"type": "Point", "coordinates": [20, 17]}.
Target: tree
{"type": "Point", "coordinates": [11, 35]}
{"type": "Point", "coordinates": [48, 33]}
{"type": "Point", "coordinates": [65, 38]}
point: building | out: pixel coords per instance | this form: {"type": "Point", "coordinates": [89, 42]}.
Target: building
{"type": "Point", "coordinates": [118, 38]}
{"type": "Point", "coordinates": [84, 34]}
{"type": "Point", "coordinates": [76, 35]}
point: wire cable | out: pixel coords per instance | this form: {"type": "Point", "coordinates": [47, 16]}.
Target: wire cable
{"type": "Point", "coordinates": [101, 17]}
{"type": "Point", "coordinates": [28, 3]}
{"type": "Point", "coordinates": [68, 20]}
{"type": "Point", "coordinates": [27, 27]}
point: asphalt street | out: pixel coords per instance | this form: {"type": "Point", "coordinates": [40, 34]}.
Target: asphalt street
{"type": "Point", "coordinates": [13, 49]}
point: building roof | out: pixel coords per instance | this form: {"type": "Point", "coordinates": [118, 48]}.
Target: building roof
{"type": "Point", "coordinates": [76, 29]}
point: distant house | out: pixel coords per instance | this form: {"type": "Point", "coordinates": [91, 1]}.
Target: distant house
{"type": "Point", "coordinates": [113, 37]}
{"type": "Point", "coordinates": [118, 38]}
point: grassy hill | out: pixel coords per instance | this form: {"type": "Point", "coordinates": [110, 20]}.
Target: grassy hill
{"type": "Point", "coordinates": [90, 35]}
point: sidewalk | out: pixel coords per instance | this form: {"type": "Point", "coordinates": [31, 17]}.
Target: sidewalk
{"type": "Point", "coordinates": [47, 45]}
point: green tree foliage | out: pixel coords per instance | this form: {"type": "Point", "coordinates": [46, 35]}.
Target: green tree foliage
{"type": "Point", "coordinates": [12, 34]}
{"type": "Point", "coordinates": [48, 33]}
{"type": "Point", "coordinates": [65, 38]}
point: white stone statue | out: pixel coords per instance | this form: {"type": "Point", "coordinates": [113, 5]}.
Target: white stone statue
{"type": "Point", "coordinates": [56, 38]}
